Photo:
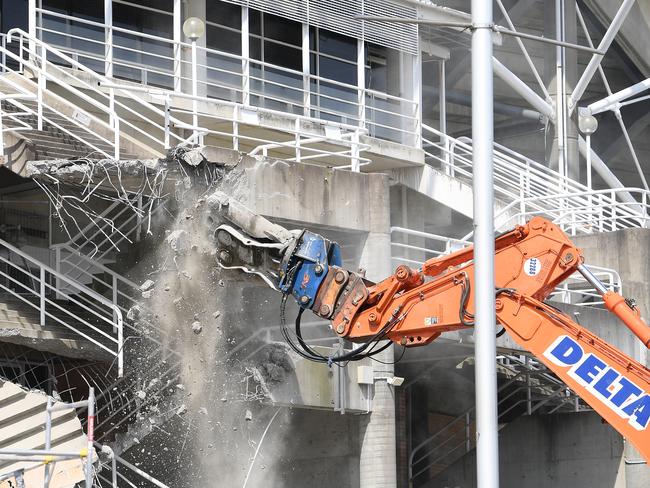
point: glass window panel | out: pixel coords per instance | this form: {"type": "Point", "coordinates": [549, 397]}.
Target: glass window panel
{"type": "Point", "coordinates": [14, 14]}
{"type": "Point", "coordinates": [223, 13]}
{"type": "Point", "coordinates": [283, 56]}
{"type": "Point", "coordinates": [337, 45]}
{"type": "Point", "coordinates": [255, 48]}
{"type": "Point", "coordinates": [223, 39]}
{"type": "Point", "coordinates": [146, 21]}
{"type": "Point", "coordinates": [334, 69]}
{"type": "Point", "coordinates": [254, 22]}
{"type": "Point", "coordinates": [384, 69]}
{"type": "Point", "coordinates": [282, 30]}
{"type": "Point", "coordinates": [87, 9]}
{"type": "Point", "coordinates": [166, 5]}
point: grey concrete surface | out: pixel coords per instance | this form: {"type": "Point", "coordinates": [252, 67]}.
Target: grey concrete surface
{"type": "Point", "coordinates": [569, 450]}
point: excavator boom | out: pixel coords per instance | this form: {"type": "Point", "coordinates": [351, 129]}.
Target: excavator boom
{"type": "Point", "coordinates": [413, 307]}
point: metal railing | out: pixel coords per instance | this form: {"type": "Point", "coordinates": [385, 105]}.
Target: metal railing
{"type": "Point", "coordinates": [41, 288]}
{"type": "Point", "coordinates": [456, 438]}
{"type": "Point", "coordinates": [157, 61]}
{"type": "Point", "coordinates": [413, 247]}
{"type": "Point", "coordinates": [106, 121]}
{"type": "Point", "coordinates": [528, 188]}
{"type": "Point", "coordinates": [119, 472]}
{"type": "Point", "coordinates": [118, 114]}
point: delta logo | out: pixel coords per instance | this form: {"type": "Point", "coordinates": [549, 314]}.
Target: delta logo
{"type": "Point", "coordinates": [617, 392]}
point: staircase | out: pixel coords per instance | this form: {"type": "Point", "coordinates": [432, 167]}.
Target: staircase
{"type": "Point", "coordinates": [36, 310]}
{"type": "Point", "coordinates": [55, 140]}
{"type": "Point", "coordinates": [59, 106]}
{"type": "Point", "coordinates": [523, 188]}
{"type": "Point", "coordinates": [527, 388]}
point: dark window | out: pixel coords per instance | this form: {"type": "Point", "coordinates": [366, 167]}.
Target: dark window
{"type": "Point", "coordinates": [255, 22]}
{"type": "Point", "coordinates": [255, 47]}
{"type": "Point", "coordinates": [166, 5]}
{"type": "Point", "coordinates": [223, 13]}
{"type": "Point", "coordinates": [14, 14]}
{"type": "Point", "coordinates": [223, 39]}
{"type": "Point", "coordinates": [337, 45]}
{"type": "Point", "coordinates": [334, 69]}
{"type": "Point", "coordinates": [140, 20]}
{"type": "Point", "coordinates": [283, 56]}
{"type": "Point", "coordinates": [88, 9]}
{"type": "Point", "coordinates": [282, 30]}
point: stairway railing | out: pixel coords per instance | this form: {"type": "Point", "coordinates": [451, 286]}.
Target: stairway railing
{"type": "Point", "coordinates": [529, 188]}
{"type": "Point", "coordinates": [40, 287]}
{"type": "Point", "coordinates": [430, 453]}
{"type": "Point", "coordinates": [48, 65]}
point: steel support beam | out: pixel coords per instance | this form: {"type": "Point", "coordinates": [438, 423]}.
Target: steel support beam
{"type": "Point", "coordinates": [487, 441]}
{"type": "Point", "coordinates": [523, 90]}
{"type": "Point", "coordinates": [607, 40]}
{"type": "Point", "coordinates": [610, 102]}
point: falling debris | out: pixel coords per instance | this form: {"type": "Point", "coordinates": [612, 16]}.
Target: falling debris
{"type": "Point", "coordinates": [249, 415]}
{"type": "Point", "coordinates": [179, 241]}
{"type": "Point", "coordinates": [197, 327]}
{"type": "Point", "coordinates": [147, 285]}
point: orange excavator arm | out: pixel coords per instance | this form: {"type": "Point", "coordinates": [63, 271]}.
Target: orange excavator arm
{"type": "Point", "coordinates": [414, 307]}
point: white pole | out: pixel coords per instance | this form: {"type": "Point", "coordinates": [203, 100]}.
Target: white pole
{"type": "Point", "coordinates": [195, 106]}
{"type": "Point", "coordinates": [588, 137]}
{"type": "Point", "coordinates": [487, 445]}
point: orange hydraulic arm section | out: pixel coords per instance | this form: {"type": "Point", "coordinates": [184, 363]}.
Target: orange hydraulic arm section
{"type": "Point", "coordinates": [413, 307]}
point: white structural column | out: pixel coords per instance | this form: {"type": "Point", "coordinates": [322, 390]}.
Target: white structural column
{"type": "Point", "coordinates": [487, 442]}
{"type": "Point", "coordinates": [377, 459]}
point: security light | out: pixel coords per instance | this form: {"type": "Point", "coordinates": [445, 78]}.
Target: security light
{"type": "Point", "coordinates": [587, 124]}
{"type": "Point", "coordinates": [194, 28]}
{"type": "Point", "coordinates": [395, 381]}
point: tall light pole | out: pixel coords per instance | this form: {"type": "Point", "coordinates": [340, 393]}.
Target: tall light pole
{"type": "Point", "coordinates": [487, 442]}
{"type": "Point", "coordinates": [194, 28]}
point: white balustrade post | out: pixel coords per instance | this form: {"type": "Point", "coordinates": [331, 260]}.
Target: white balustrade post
{"type": "Point", "coordinates": [31, 27]}
{"type": "Point", "coordinates": [167, 109]}
{"type": "Point", "coordinates": [114, 299]}
{"type": "Point", "coordinates": [116, 142]}
{"type": "Point", "coordinates": [57, 267]}
{"type": "Point", "coordinates": [245, 57]}
{"type": "Point", "coordinates": [306, 72]}
{"type": "Point", "coordinates": [108, 35]}
{"type": "Point", "coordinates": [178, 50]}
{"type": "Point", "coordinates": [41, 86]}
{"type": "Point", "coordinates": [2, 139]}
{"type": "Point", "coordinates": [356, 161]}
{"type": "Point", "coordinates": [42, 296]}
{"type": "Point", "coordinates": [297, 138]}
{"type": "Point", "coordinates": [361, 83]}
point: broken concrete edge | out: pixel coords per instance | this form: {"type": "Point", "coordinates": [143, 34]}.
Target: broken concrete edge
{"type": "Point", "coordinates": [70, 170]}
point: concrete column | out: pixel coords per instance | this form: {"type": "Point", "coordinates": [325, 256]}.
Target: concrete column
{"type": "Point", "coordinates": [571, 76]}
{"type": "Point", "coordinates": [377, 463]}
